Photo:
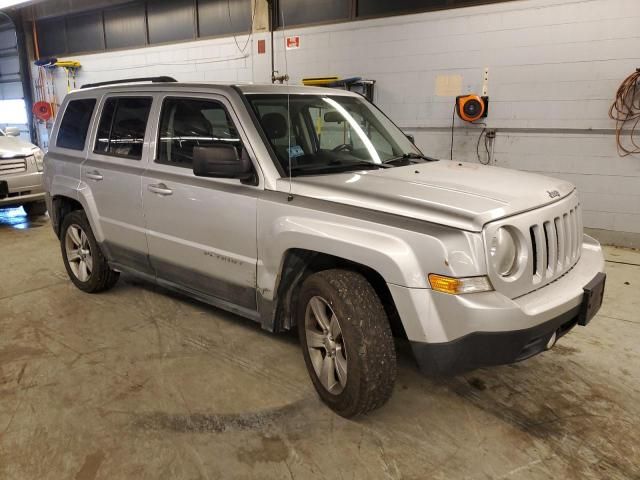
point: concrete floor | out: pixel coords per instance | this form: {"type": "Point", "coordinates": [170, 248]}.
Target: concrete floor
{"type": "Point", "coordinates": [137, 383]}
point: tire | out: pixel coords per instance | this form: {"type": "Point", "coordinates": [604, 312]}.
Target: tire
{"type": "Point", "coordinates": [96, 276]}
{"type": "Point", "coordinates": [364, 342]}
{"type": "Point", "coordinates": [35, 209]}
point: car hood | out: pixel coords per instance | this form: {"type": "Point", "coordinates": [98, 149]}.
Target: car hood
{"type": "Point", "coordinates": [460, 195]}
{"type": "Point", "coordinates": [15, 147]}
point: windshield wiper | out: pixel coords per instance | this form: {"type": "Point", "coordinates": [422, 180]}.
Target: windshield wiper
{"type": "Point", "coordinates": [408, 157]}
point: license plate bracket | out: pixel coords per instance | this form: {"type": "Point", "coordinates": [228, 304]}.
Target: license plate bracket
{"type": "Point", "coordinates": [592, 299]}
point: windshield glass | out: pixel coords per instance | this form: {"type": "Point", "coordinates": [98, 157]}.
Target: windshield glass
{"type": "Point", "coordinates": [328, 133]}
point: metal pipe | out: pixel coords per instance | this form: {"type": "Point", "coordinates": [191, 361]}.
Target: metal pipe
{"type": "Point", "coordinates": [271, 28]}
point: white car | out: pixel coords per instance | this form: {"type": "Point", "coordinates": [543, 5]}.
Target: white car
{"type": "Point", "coordinates": [21, 166]}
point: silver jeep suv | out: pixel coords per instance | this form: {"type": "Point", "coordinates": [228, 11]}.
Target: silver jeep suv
{"type": "Point", "coordinates": [21, 165]}
{"type": "Point", "coordinates": [307, 207]}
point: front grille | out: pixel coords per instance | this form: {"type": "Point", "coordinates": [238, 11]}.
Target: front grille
{"type": "Point", "coordinates": [13, 165]}
{"type": "Point", "coordinates": [555, 244]}
{"type": "Point", "coordinates": [550, 240]}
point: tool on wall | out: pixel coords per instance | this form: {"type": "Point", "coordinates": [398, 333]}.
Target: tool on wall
{"type": "Point", "coordinates": [471, 108]}
{"type": "Point", "coordinates": [625, 110]}
{"type": "Point", "coordinates": [46, 105]}
{"type": "Point", "coordinates": [71, 68]}
{"type": "Point", "coordinates": [42, 111]}
{"type": "Point", "coordinates": [45, 90]}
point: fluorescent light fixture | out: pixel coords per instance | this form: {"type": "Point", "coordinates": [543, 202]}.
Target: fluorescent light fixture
{"type": "Point", "coordinates": [11, 3]}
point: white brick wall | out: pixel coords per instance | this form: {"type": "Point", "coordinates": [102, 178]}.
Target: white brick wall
{"type": "Point", "coordinates": [554, 68]}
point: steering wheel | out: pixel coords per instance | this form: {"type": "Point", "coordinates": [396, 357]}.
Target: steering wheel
{"type": "Point", "coordinates": [345, 147]}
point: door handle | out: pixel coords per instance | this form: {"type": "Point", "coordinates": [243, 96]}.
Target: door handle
{"type": "Point", "coordinates": [95, 175]}
{"type": "Point", "coordinates": [160, 189]}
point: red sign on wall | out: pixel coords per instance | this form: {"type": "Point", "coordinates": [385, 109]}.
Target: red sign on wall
{"type": "Point", "coordinates": [292, 42]}
{"type": "Point", "coordinates": [262, 47]}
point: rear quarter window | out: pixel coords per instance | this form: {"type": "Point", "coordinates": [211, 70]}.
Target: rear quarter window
{"type": "Point", "coordinates": [74, 126]}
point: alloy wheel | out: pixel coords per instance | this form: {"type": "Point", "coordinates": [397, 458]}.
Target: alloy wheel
{"type": "Point", "coordinates": [326, 346]}
{"type": "Point", "coordinates": [78, 250]}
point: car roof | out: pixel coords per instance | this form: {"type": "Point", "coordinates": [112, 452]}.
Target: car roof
{"type": "Point", "coordinates": [247, 88]}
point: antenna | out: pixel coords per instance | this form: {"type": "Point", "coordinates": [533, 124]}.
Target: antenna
{"type": "Point", "coordinates": [285, 78]}
{"type": "Point", "coordinates": [290, 197]}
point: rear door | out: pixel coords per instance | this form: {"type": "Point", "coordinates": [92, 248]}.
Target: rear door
{"type": "Point", "coordinates": [113, 172]}
{"type": "Point", "coordinates": [201, 231]}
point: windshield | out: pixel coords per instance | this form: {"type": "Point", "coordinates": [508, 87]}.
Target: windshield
{"type": "Point", "coordinates": [328, 133]}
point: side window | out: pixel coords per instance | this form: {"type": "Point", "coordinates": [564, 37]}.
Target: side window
{"type": "Point", "coordinates": [187, 123]}
{"type": "Point", "coordinates": [122, 126]}
{"type": "Point", "coordinates": [75, 124]}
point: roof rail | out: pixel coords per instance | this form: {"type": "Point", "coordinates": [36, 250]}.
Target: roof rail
{"type": "Point", "coordinates": [132, 80]}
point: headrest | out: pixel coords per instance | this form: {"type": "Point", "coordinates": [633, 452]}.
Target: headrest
{"type": "Point", "coordinates": [275, 125]}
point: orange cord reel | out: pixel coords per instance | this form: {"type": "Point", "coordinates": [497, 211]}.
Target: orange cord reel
{"type": "Point", "coordinates": [472, 107]}
{"type": "Point", "coordinates": [42, 111]}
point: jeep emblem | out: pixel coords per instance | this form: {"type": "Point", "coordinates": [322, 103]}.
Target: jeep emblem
{"type": "Point", "coordinates": [553, 193]}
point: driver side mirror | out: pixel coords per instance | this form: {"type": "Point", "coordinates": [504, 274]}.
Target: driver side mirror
{"type": "Point", "coordinates": [222, 161]}
{"type": "Point", "coordinates": [12, 132]}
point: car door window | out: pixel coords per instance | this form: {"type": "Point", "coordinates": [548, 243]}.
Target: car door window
{"type": "Point", "coordinates": [187, 123]}
{"type": "Point", "coordinates": [75, 124]}
{"type": "Point", "coordinates": [122, 127]}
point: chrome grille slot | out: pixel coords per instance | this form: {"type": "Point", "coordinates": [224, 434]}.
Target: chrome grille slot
{"type": "Point", "coordinates": [577, 230]}
{"type": "Point", "coordinates": [552, 246]}
{"type": "Point", "coordinates": [13, 165]}
{"type": "Point", "coordinates": [552, 238]}
{"type": "Point", "coordinates": [560, 240]}
{"type": "Point", "coordinates": [568, 240]}
{"type": "Point", "coordinates": [539, 245]}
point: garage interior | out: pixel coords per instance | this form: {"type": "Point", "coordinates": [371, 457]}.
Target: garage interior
{"type": "Point", "coordinates": [138, 382]}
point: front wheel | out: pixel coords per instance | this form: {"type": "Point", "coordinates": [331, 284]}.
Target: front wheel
{"type": "Point", "coordinates": [85, 264]}
{"type": "Point", "coordinates": [346, 341]}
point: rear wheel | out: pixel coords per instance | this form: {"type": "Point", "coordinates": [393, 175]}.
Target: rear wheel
{"type": "Point", "coordinates": [35, 209]}
{"type": "Point", "coordinates": [346, 341]}
{"type": "Point", "coordinates": [86, 265]}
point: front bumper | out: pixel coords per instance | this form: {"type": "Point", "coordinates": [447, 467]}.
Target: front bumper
{"type": "Point", "coordinates": [19, 189]}
{"type": "Point", "coordinates": [454, 333]}
{"type": "Point", "coordinates": [482, 349]}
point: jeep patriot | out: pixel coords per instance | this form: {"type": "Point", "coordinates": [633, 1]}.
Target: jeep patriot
{"type": "Point", "coordinates": [307, 207]}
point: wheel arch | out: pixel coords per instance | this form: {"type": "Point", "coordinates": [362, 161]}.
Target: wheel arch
{"type": "Point", "coordinates": [61, 206]}
{"type": "Point", "coordinates": [298, 264]}
{"type": "Point", "coordinates": [82, 200]}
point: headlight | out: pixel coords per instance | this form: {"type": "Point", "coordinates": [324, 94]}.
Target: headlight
{"type": "Point", "coordinates": [457, 286]}
{"type": "Point", "coordinates": [503, 252]}
{"type": "Point", "coordinates": [39, 156]}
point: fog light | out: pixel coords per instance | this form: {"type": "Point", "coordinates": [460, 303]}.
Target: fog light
{"type": "Point", "coordinates": [457, 286]}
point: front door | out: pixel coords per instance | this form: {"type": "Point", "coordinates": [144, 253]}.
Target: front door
{"type": "Point", "coordinates": [201, 231]}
